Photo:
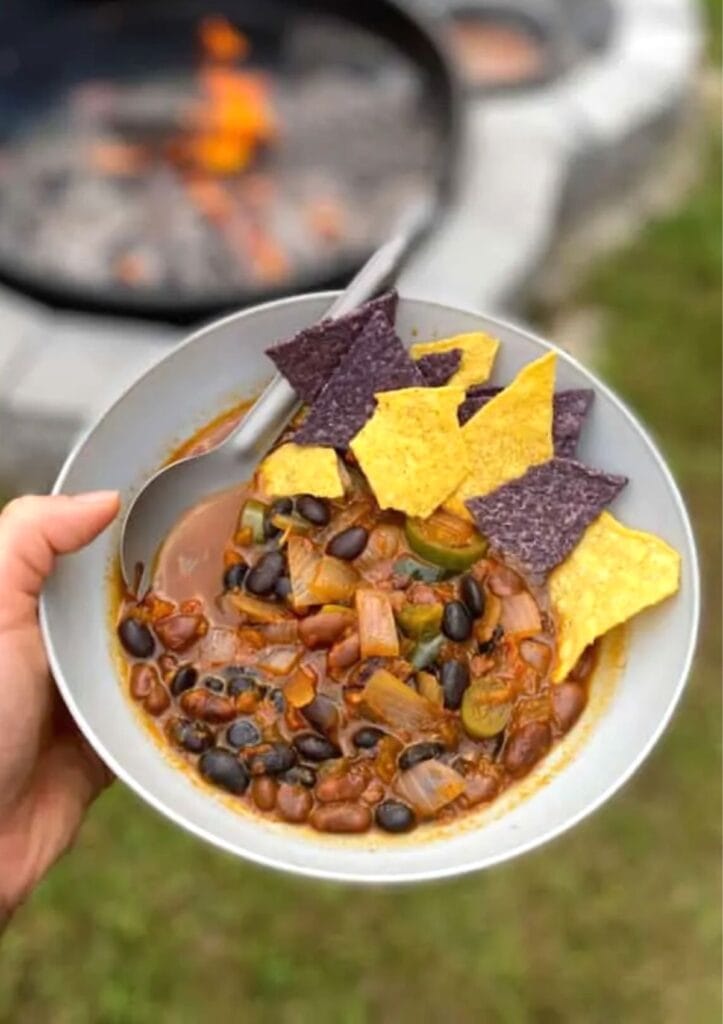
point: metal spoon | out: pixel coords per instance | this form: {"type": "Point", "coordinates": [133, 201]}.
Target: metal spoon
{"type": "Point", "coordinates": [169, 493]}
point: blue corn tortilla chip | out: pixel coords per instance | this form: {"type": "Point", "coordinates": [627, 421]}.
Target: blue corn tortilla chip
{"type": "Point", "coordinates": [475, 398]}
{"type": "Point", "coordinates": [309, 358]}
{"type": "Point", "coordinates": [570, 409]}
{"type": "Point", "coordinates": [377, 361]}
{"type": "Point", "coordinates": [538, 519]}
{"type": "Point", "coordinates": [438, 367]}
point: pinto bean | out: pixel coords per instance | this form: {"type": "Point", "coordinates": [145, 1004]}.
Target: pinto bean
{"type": "Point", "coordinates": [158, 700]}
{"type": "Point", "coordinates": [347, 786]}
{"type": "Point", "coordinates": [568, 702]}
{"type": "Point", "coordinates": [373, 793]}
{"type": "Point", "coordinates": [143, 679]}
{"type": "Point", "coordinates": [179, 632]}
{"type": "Point", "coordinates": [345, 653]}
{"type": "Point", "coordinates": [263, 793]}
{"type": "Point", "coordinates": [294, 803]}
{"type": "Point", "coordinates": [341, 817]}
{"type": "Point", "coordinates": [322, 629]}
{"type": "Point", "coordinates": [526, 746]}
{"type": "Point", "coordinates": [480, 788]}
{"type": "Point", "coordinates": [208, 706]}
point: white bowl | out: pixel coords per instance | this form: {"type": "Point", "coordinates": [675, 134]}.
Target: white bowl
{"type": "Point", "coordinates": [224, 363]}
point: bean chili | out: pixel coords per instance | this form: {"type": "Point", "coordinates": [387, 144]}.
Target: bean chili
{"type": "Point", "coordinates": [321, 670]}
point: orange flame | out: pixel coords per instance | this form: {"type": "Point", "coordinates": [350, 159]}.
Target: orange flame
{"type": "Point", "coordinates": [235, 116]}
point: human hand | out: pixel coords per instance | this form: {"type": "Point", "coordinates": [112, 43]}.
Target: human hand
{"type": "Point", "coordinates": [48, 773]}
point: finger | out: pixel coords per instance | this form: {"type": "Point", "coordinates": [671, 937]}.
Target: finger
{"type": "Point", "coordinates": [33, 530]}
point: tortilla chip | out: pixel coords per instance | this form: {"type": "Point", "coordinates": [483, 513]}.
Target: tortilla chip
{"type": "Point", "coordinates": [538, 519]}
{"type": "Point", "coordinates": [478, 354]}
{"type": "Point", "coordinates": [474, 400]}
{"type": "Point", "coordinates": [570, 412]}
{"type": "Point", "coordinates": [411, 450]}
{"type": "Point", "coordinates": [510, 433]}
{"type": "Point", "coordinates": [377, 361]}
{"type": "Point", "coordinates": [438, 367]}
{"type": "Point", "coordinates": [613, 573]}
{"type": "Point", "coordinates": [292, 469]}
{"type": "Point", "coordinates": [309, 358]}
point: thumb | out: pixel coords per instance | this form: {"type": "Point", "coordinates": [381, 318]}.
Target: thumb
{"type": "Point", "coordinates": [33, 530]}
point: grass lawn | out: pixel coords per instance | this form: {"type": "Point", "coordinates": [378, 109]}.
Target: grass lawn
{"type": "Point", "coordinates": [616, 921]}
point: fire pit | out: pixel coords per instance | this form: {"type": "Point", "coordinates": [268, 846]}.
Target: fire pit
{"type": "Point", "coordinates": [186, 162]}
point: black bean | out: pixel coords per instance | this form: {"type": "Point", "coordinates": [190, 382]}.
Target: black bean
{"type": "Point", "coordinates": [456, 621]}
{"type": "Point", "coordinates": [367, 737]}
{"type": "Point", "coordinates": [275, 761]}
{"type": "Point", "coordinates": [348, 544]}
{"type": "Point", "coordinates": [240, 680]}
{"type": "Point", "coordinates": [315, 748]}
{"type": "Point", "coordinates": [454, 677]}
{"type": "Point", "coordinates": [184, 679]}
{"type": "Point", "coordinates": [136, 637]}
{"type": "Point", "coordinates": [262, 578]}
{"type": "Point", "coordinates": [322, 713]}
{"type": "Point", "coordinates": [282, 507]}
{"type": "Point", "coordinates": [473, 596]}
{"type": "Point", "coordinates": [301, 775]}
{"type": "Point", "coordinates": [195, 737]}
{"type": "Point", "coordinates": [314, 510]}
{"type": "Point", "coordinates": [234, 576]}
{"type": "Point", "coordinates": [223, 769]}
{"type": "Point", "coordinates": [243, 734]}
{"type": "Point", "coordinates": [394, 816]}
{"type": "Point", "coordinates": [419, 752]}
{"type": "Point", "coordinates": [214, 683]}
{"type": "Point", "coordinates": [282, 587]}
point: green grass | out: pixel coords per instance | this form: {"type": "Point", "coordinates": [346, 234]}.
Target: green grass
{"type": "Point", "coordinates": [713, 10]}
{"type": "Point", "coordinates": [616, 921]}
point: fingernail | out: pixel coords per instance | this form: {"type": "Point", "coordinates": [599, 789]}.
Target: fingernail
{"type": "Point", "coordinates": [96, 497]}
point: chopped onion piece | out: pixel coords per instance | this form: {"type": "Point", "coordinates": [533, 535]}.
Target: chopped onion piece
{"type": "Point", "coordinates": [334, 580]}
{"type": "Point", "coordinates": [303, 560]}
{"type": "Point", "coordinates": [390, 700]}
{"type": "Point", "coordinates": [300, 689]}
{"type": "Point", "coordinates": [429, 786]}
{"type": "Point", "coordinates": [279, 661]}
{"type": "Point", "coordinates": [256, 610]}
{"type": "Point", "coordinates": [377, 628]}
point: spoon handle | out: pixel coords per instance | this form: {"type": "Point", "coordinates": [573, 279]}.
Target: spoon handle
{"type": "Point", "coordinates": [275, 406]}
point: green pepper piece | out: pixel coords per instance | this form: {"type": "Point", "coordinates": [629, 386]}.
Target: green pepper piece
{"type": "Point", "coordinates": [419, 571]}
{"type": "Point", "coordinates": [426, 652]}
{"type": "Point", "coordinates": [290, 522]}
{"type": "Point", "coordinates": [482, 717]}
{"type": "Point", "coordinates": [420, 621]}
{"type": "Point", "coordinates": [434, 540]}
{"type": "Point", "coordinates": [253, 518]}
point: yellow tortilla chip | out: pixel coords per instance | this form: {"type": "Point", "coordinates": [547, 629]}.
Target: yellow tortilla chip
{"type": "Point", "coordinates": [512, 432]}
{"type": "Point", "coordinates": [613, 573]}
{"type": "Point", "coordinates": [478, 355]}
{"type": "Point", "coordinates": [297, 469]}
{"type": "Point", "coordinates": [411, 450]}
